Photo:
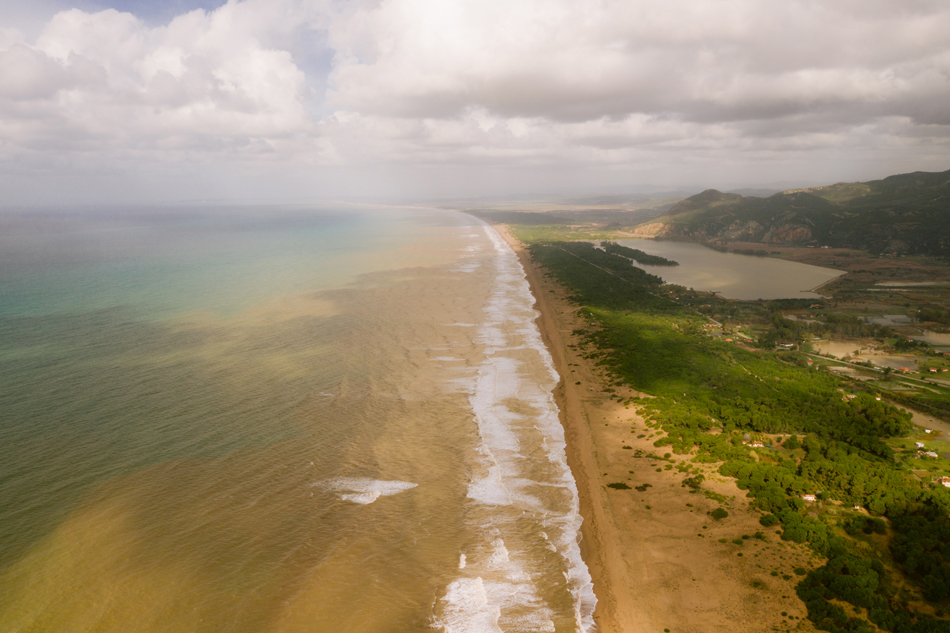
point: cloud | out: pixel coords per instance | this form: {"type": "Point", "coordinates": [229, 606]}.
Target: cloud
{"type": "Point", "coordinates": [725, 60]}
{"type": "Point", "coordinates": [418, 85]}
{"type": "Point", "coordinates": [29, 74]}
{"type": "Point", "coordinates": [204, 81]}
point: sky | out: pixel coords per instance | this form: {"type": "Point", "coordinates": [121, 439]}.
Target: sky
{"type": "Point", "coordinates": [145, 101]}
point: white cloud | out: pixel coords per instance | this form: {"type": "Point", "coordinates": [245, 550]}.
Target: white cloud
{"type": "Point", "coordinates": [580, 61]}
{"type": "Point", "coordinates": [204, 81]}
{"type": "Point", "coordinates": [629, 86]}
{"type": "Point", "coordinates": [29, 74]}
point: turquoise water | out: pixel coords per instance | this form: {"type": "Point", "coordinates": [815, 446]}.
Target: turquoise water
{"type": "Point", "coordinates": [173, 263]}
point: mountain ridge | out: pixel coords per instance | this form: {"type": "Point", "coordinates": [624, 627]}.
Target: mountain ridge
{"type": "Point", "coordinates": [904, 214]}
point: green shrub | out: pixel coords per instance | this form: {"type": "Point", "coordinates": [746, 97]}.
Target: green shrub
{"type": "Point", "coordinates": [694, 482]}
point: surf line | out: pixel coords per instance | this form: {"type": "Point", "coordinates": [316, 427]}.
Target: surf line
{"type": "Point", "coordinates": [496, 591]}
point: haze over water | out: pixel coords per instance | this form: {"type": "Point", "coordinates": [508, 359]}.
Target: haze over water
{"type": "Point", "coordinates": [278, 420]}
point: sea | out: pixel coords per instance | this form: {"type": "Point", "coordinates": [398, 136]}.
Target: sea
{"type": "Point", "coordinates": [278, 419]}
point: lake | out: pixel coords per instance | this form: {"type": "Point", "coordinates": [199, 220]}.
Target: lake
{"type": "Point", "coordinates": [734, 276]}
{"type": "Point", "coordinates": [939, 341]}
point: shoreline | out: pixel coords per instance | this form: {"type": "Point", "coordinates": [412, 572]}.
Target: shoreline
{"type": "Point", "coordinates": [816, 289]}
{"type": "Point", "coordinates": [657, 560]}
{"type": "Point", "coordinates": [580, 458]}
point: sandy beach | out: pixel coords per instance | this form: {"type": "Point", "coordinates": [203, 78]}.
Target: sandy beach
{"type": "Point", "coordinates": [658, 560]}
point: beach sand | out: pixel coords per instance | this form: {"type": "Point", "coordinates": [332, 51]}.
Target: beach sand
{"type": "Point", "coordinates": [655, 556]}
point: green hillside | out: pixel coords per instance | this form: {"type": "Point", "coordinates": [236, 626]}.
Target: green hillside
{"type": "Point", "coordinates": [903, 214]}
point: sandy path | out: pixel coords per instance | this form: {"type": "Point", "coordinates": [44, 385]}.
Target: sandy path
{"type": "Point", "coordinates": [655, 556]}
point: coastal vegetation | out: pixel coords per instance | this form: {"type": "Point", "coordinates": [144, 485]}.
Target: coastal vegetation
{"type": "Point", "coordinates": [636, 255]}
{"type": "Point", "coordinates": [825, 467]}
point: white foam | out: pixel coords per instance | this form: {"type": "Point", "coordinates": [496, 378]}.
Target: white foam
{"type": "Point", "coordinates": [500, 555]}
{"type": "Point", "coordinates": [461, 561]}
{"type": "Point", "coordinates": [476, 605]}
{"type": "Point", "coordinates": [498, 592]}
{"type": "Point", "coordinates": [363, 490]}
{"type": "Point", "coordinates": [468, 609]}
{"type": "Point", "coordinates": [362, 498]}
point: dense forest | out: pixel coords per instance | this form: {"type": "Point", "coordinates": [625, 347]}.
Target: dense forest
{"type": "Point", "coordinates": [708, 394]}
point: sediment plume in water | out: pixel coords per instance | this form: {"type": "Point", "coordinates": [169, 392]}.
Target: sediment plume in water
{"type": "Point", "coordinates": [321, 422]}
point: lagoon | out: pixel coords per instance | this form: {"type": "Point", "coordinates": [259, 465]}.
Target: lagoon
{"type": "Point", "coordinates": [734, 276]}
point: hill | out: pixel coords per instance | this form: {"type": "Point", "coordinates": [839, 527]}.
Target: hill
{"type": "Point", "coordinates": [904, 214]}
